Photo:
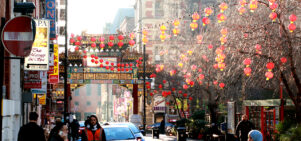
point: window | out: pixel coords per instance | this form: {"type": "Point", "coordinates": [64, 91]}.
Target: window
{"type": "Point", "coordinates": [76, 92]}
{"type": "Point", "coordinates": [88, 90]}
{"type": "Point", "coordinates": [159, 12]}
{"type": "Point", "coordinates": [76, 103]}
{"type": "Point", "coordinates": [62, 14]}
{"type": "Point", "coordinates": [88, 103]}
{"type": "Point", "coordinates": [62, 30]}
{"type": "Point", "coordinates": [78, 116]}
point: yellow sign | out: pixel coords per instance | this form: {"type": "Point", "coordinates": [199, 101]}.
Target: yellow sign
{"type": "Point", "coordinates": [56, 59]}
{"type": "Point", "coordinates": [42, 99]}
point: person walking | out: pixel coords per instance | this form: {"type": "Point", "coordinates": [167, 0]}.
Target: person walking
{"type": "Point", "coordinates": [74, 129]}
{"type": "Point", "coordinates": [243, 128]}
{"type": "Point", "coordinates": [162, 126]}
{"type": "Point", "coordinates": [31, 131]}
{"type": "Point", "coordinates": [93, 131]}
{"type": "Point", "coordinates": [255, 135]}
{"type": "Point", "coordinates": [59, 133]}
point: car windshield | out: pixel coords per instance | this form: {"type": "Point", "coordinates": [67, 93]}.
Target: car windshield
{"type": "Point", "coordinates": [118, 133]}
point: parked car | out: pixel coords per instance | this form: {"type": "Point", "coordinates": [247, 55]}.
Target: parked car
{"type": "Point", "coordinates": [118, 132]}
{"type": "Point", "coordinates": [168, 127]}
{"type": "Point", "coordinates": [132, 126]}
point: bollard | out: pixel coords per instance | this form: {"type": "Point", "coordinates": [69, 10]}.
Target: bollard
{"type": "Point", "coordinates": [155, 132]}
{"type": "Point", "coordinates": [181, 134]}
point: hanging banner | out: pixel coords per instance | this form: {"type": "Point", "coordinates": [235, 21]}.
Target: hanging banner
{"type": "Point", "coordinates": [42, 99]}
{"type": "Point", "coordinates": [38, 58]}
{"type": "Point", "coordinates": [159, 104]}
{"type": "Point", "coordinates": [50, 14]}
{"type": "Point", "coordinates": [54, 77]}
{"type": "Point", "coordinates": [32, 79]}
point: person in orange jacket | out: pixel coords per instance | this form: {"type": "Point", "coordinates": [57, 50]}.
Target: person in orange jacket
{"type": "Point", "coordinates": [93, 132]}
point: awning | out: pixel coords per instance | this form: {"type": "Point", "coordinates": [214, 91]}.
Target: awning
{"type": "Point", "coordinates": [268, 102]}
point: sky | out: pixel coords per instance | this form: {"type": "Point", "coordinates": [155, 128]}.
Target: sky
{"type": "Point", "coordinates": [91, 15]}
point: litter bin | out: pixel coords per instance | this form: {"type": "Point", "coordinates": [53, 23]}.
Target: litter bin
{"type": "Point", "coordinates": [155, 132]}
{"type": "Point", "coordinates": [181, 134]}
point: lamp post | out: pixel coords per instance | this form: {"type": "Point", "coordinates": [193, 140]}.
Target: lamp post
{"type": "Point", "coordinates": [65, 62]}
{"type": "Point", "coordinates": [144, 93]}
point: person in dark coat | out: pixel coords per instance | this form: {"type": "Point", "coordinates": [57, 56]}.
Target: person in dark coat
{"type": "Point", "coordinates": [74, 129]}
{"type": "Point", "coordinates": [31, 131]}
{"type": "Point", "coordinates": [162, 126]}
{"type": "Point", "coordinates": [243, 128]}
{"type": "Point", "coordinates": [59, 132]}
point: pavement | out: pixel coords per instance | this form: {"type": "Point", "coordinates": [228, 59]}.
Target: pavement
{"type": "Point", "coordinates": [163, 137]}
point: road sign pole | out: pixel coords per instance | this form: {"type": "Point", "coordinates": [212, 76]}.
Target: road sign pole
{"type": "Point", "coordinates": [1, 75]}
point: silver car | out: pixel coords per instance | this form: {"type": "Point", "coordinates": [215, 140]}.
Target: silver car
{"type": "Point", "coordinates": [134, 129]}
{"type": "Point", "coordinates": [119, 133]}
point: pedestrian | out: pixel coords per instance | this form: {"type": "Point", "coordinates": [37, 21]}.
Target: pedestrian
{"type": "Point", "coordinates": [243, 128]}
{"type": "Point", "coordinates": [162, 126]}
{"type": "Point", "coordinates": [74, 129]}
{"type": "Point", "coordinates": [93, 131]}
{"type": "Point", "coordinates": [255, 135]}
{"type": "Point", "coordinates": [31, 131]}
{"type": "Point", "coordinates": [59, 132]}
{"type": "Point", "coordinates": [87, 122]}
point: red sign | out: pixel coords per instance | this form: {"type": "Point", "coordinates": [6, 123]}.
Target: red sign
{"type": "Point", "coordinates": [17, 36]}
{"type": "Point", "coordinates": [32, 79]}
{"type": "Point", "coordinates": [53, 79]}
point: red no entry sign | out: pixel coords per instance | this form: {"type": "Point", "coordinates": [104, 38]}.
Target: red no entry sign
{"type": "Point", "coordinates": [17, 35]}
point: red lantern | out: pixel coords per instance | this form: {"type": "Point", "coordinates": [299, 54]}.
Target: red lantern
{"type": "Point", "coordinates": [224, 32]}
{"type": "Point", "coordinates": [111, 37]}
{"type": "Point", "coordinates": [79, 38]}
{"type": "Point", "coordinates": [273, 16]}
{"type": "Point", "coordinates": [93, 39]}
{"type": "Point", "coordinates": [273, 6]}
{"type": "Point", "coordinates": [101, 65]}
{"type": "Point", "coordinates": [247, 71]}
{"type": "Point", "coordinates": [215, 66]}
{"type": "Point", "coordinates": [247, 61]}
{"type": "Point", "coordinates": [243, 2]}
{"type": "Point", "coordinates": [122, 69]}
{"type": "Point", "coordinates": [201, 76]}
{"type": "Point", "coordinates": [167, 103]}
{"type": "Point", "coordinates": [72, 35]}
{"type": "Point", "coordinates": [110, 44]}
{"type": "Point", "coordinates": [210, 46]}
{"type": "Point", "coordinates": [160, 86]}
{"type": "Point", "coordinates": [176, 23]}
{"type": "Point", "coordinates": [118, 69]}
{"type": "Point", "coordinates": [241, 10]}
{"type": "Point", "coordinates": [191, 83]}
{"type": "Point", "coordinates": [92, 60]}
{"type": "Point", "coordinates": [107, 62]}
{"type": "Point", "coordinates": [223, 7]}
{"type": "Point", "coordinates": [291, 27]}
{"type": "Point", "coordinates": [76, 48]}
{"type": "Point", "coordinates": [208, 11]}
{"type": "Point", "coordinates": [164, 81]}
{"type": "Point", "coordinates": [112, 64]}
{"type": "Point", "coordinates": [221, 66]}
{"type": "Point", "coordinates": [221, 17]}
{"type": "Point", "coordinates": [173, 89]}
{"type": "Point", "coordinates": [102, 45]}
{"type": "Point", "coordinates": [92, 56]}
{"type": "Point", "coordinates": [100, 60]}
{"type": "Point", "coordinates": [269, 75]}
{"type": "Point", "coordinates": [190, 98]}
{"type": "Point", "coordinates": [293, 18]}
{"type": "Point", "coordinates": [131, 43]}
{"type": "Point", "coordinates": [120, 37]}
{"type": "Point", "coordinates": [96, 57]}
{"type": "Point", "coordinates": [175, 31]}
{"type": "Point", "coordinates": [258, 47]}
{"type": "Point", "coordinates": [200, 70]}
{"type": "Point", "coordinates": [199, 38]}
{"type": "Point", "coordinates": [185, 86]}
{"type": "Point", "coordinates": [179, 91]}
{"type": "Point", "coordinates": [270, 66]}
{"type": "Point", "coordinates": [77, 43]}
{"type": "Point", "coordinates": [107, 67]}
{"type": "Point", "coordinates": [215, 82]}
{"type": "Point", "coordinates": [112, 68]}
{"type": "Point", "coordinates": [185, 94]}
{"type": "Point", "coordinates": [120, 44]}
{"type": "Point", "coordinates": [72, 41]}
{"type": "Point", "coordinates": [253, 5]}
{"type": "Point", "coordinates": [283, 60]}
{"type": "Point", "coordinates": [96, 62]}
{"type": "Point", "coordinates": [101, 39]}
{"type": "Point", "coordinates": [221, 85]}
{"type": "Point", "coordinates": [93, 45]}
{"type": "Point", "coordinates": [205, 21]}
{"type": "Point", "coordinates": [193, 26]}
{"type": "Point", "coordinates": [195, 16]}
{"type": "Point", "coordinates": [85, 56]}
{"type": "Point", "coordinates": [151, 94]}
